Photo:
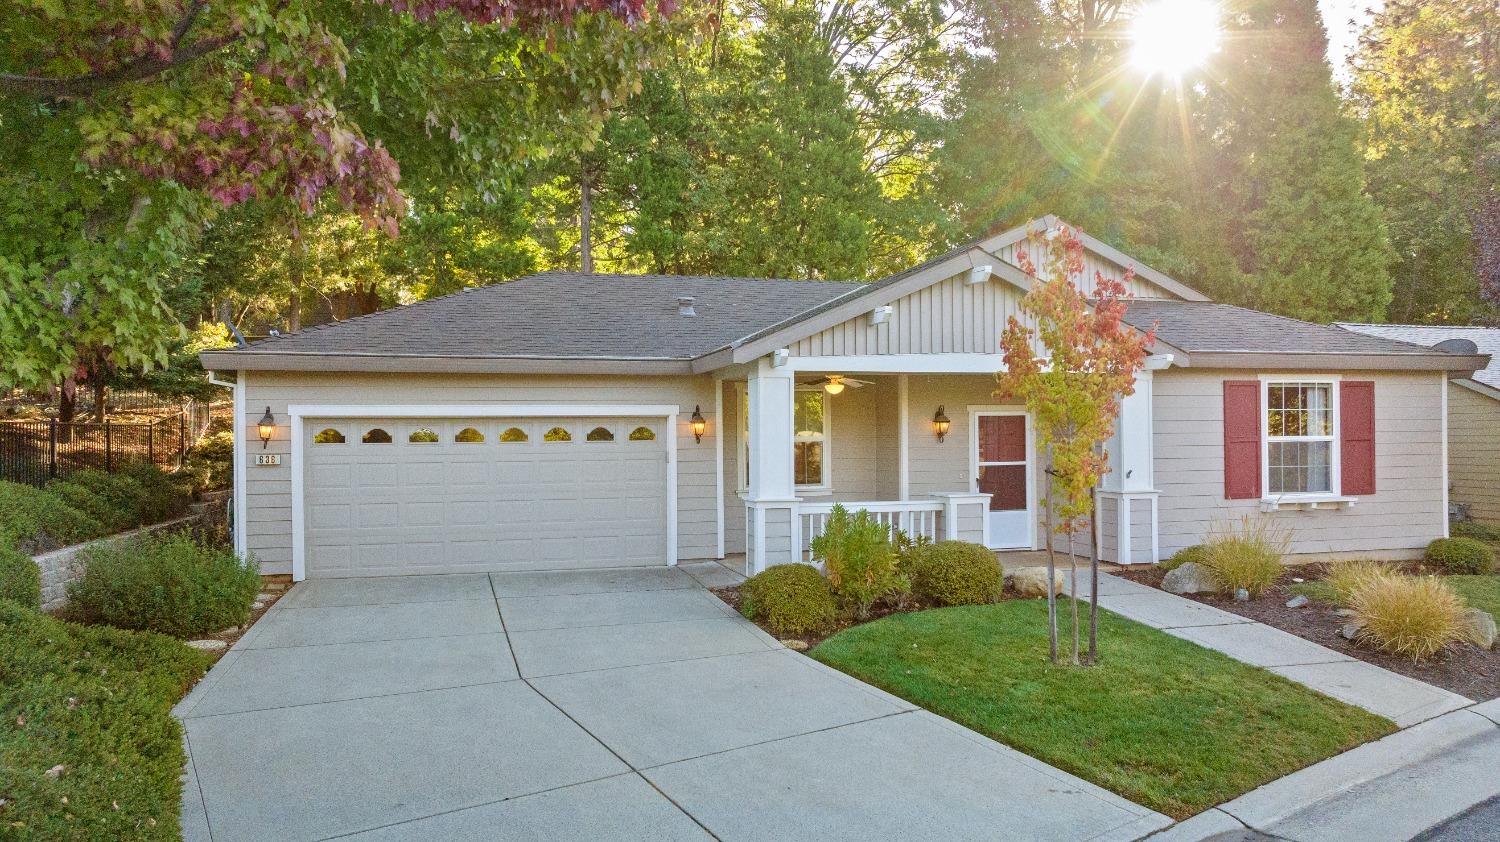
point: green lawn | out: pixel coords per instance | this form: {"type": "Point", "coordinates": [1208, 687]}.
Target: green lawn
{"type": "Point", "coordinates": [96, 702]}
{"type": "Point", "coordinates": [1163, 722]}
{"type": "Point", "coordinates": [1482, 592]}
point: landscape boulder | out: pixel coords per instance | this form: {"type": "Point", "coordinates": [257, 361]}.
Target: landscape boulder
{"type": "Point", "coordinates": [1190, 577]}
{"type": "Point", "coordinates": [1479, 628]}
{"type": "Point", "coordinates": [1032, 581]}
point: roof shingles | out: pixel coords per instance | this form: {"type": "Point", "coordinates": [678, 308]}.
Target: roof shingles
{"type": "Point", "coordinates": [559, 315]}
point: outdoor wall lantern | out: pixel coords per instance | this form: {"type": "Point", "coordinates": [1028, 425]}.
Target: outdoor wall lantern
{"type": "Point", "coordinates": [940, 424]}
{"type": "Point", "coordinates": [267, 427]}
{"type": "Point", "coordinates": [700, 424]}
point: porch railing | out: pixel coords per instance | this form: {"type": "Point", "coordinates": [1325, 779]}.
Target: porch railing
{"type": "Point", "coordinates": [917, 518]}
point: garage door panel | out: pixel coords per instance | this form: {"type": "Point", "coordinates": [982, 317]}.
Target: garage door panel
{"type": "Point", "coordinates": [377, 474]}
{"type": "Point", "coordinates": [448, 506]}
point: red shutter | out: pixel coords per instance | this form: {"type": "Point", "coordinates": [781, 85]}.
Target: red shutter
{"type": "Point", "coordinates": [1241, 439]}
{"type": "Point", "coordinates": [1357, 436]}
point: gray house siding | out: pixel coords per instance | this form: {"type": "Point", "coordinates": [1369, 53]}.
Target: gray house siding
{"type": "Point", "coordinates": [1474, 451]}
{"type": "Point", "coordinates": [1398, 520]}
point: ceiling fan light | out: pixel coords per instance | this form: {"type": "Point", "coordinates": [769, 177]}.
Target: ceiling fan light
{"type": "Point", "coordinates": [833, 387]}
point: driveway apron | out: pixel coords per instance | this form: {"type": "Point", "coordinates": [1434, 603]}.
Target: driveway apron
{"type": "Point", "coordinates": [619, 704]}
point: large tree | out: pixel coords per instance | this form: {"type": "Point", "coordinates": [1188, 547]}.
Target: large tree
{"type": "Point", "coordinates": [796, 141]}
{"type": "Point", "coordinates": [124, 126]}
{"type": "Point", "coordinates": [1426, 80]}
{"type": "Point", "coordinates": [1242, 179]}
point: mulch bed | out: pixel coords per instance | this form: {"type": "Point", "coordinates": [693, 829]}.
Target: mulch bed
{"type": "Point", "coordinates": [1466, 670]}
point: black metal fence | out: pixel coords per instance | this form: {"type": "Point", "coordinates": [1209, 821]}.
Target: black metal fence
{"type": "Point", "coordinates": [34, 452]}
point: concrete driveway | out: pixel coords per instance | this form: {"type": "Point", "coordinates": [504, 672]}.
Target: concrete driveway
{"type": "Point", "coordinates": [584, 705]}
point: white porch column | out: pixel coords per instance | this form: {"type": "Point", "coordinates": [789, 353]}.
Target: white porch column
{"type": "Point", "coordinates": [1130, 487]}
{"type": "Point", "coordinates": [772, 520]}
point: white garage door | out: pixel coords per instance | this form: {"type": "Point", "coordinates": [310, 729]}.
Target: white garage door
{"type": "Point", "coordinates": [396, 496]}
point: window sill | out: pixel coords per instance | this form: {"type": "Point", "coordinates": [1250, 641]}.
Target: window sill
{"type": "Point", "coordinates": [1306, 502]}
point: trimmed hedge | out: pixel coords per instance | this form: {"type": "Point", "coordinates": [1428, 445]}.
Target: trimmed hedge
{"type": "Point", "coordinates": [20, 578]}
{"type": "Point", "coordinates": [34, 520]}
{"type": "Point", "coordinates": [87, 504]}
{"type": "Point", "coordinates": [789, 599]}
{"type": "Point", "coordinates": [956, 573]}
{"type": "Point", "coordinates": [1461, 556]}
{"type": "Point", "coordinates": [90, 749]}
{"type": "Point", "coordinates": [1198, 554]}
{"type": "Point", "coordinates": [169, 583]}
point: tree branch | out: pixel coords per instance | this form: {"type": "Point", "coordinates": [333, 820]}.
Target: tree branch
{"type": "Point", "coordinates": [145, 67]}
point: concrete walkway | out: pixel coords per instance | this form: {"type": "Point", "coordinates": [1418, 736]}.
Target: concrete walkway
{"type": "Point", "coordinates": [584, 705]}
{"type": "Point", "coordinates": [1405, 701]}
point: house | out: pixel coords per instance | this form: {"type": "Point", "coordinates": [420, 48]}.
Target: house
{"type": "Point", "coordinates": [1473, 414]}
{"type": "Point", "coordinates": [568, 420]}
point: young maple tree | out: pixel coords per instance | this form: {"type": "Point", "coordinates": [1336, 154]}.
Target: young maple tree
{"type": "Point", "coordinates": [1088, 361]}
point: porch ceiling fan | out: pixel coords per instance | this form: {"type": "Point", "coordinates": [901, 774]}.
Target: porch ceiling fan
{"type": "Point", "coordinates": [835, 383]}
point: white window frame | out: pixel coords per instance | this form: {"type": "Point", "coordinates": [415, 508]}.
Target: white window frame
{"type": "Point", "coordinates": [814, 489]}
{"type": "Point", "coordinates": [1335, 460]}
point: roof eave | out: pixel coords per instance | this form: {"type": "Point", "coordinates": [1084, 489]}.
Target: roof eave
{"type": "Point", "coordinates": [421, 364]}
{"type": "Point", "coordinates": [1459, 365]}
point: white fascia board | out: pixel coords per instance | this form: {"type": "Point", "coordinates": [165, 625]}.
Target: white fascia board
{"type": "Point", "coordinates": [478, 410]}
{"type": "Point", "coordinates": [902, 363]}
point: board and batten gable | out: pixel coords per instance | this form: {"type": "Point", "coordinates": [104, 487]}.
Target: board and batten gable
{"type": "Point", "coordinates": [1406, 511]}
{"type": "Point", "coordinates": [268, 490]}
{"type": "Point", "coordinates": [952, 316]}
{"type": "Point", "coordinates": [1474, 451]}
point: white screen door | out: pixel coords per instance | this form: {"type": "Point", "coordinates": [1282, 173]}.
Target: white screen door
{"type": "Point", "coordinates": [1000, 461]}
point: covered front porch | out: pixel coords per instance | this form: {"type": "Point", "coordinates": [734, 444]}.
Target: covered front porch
{"type": "Point", "coordinates": [923, 444]}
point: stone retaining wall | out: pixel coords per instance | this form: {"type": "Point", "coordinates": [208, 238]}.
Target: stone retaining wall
{"type": "Point", "coordinates": [60, 567]}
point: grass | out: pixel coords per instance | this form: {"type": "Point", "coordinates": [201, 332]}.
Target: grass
{"type": "Point", "coordinates": [1482, 592]}
{"type": "Point", "coordinates": [88, 746]}
{"type": "Point", "coordinates": [1161, 721]}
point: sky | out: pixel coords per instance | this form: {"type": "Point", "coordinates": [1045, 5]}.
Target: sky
{"type": "Point", "coordinates": [1342, 37]}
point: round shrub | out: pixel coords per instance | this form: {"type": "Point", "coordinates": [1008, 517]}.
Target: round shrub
{"type": "Point", "coordinates": [111, 499]}
{"type": "Point", "coordinates": [1463, 556]}
{"type": "Point", "coordinates": [170, 583]}
{"type": "Point", "coordinates": [20, 580]}
{"type": "Point", "coordinates": [1407, 615]}
{"type": "Point", "coordinates": [956, 573]}
{"type": "Point", "coordinates": [1197, 554]}
{"type": "Point", "coordinates": [789, 599]}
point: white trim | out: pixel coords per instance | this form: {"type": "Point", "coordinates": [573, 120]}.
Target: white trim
{"type": "Point", "coordinates": [903, 444]}
{"type": "Point", "coordinates": [897, 363]}
{"type": "Point", "coordinates": [977, 410]}
{"type": "Point", "coordinates": [742, 464]}
{"type": "Point", "coordinates": [1335, 456]}
{"type": "Point", "coordinates": [483, 410]}
{"type": "Point", "coordinates": [1443, 387]}
{"type": "Point", "coordinates": [719, 465]}
{"type": "Point", "coordinates": [241, 501]}
{"type": "Point", "coordinates": [1475, 386]}
{"type": "Point", "coordinates": [297, 412]}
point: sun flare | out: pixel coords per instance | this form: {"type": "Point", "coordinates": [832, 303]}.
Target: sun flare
{"type": "Point", "coordinates": [1171, 37]}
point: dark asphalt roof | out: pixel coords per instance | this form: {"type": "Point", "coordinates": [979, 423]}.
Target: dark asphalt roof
{"type": "Point", "coordinates": [1208, 327]}
{"type": "Point", "coordinates": [569, 314]}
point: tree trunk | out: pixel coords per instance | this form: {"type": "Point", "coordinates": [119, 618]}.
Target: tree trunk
{"type": "Point", "coordinates": [1073, 590]}
{"type": "Point", "coordinates": [585, 219]}
{"type": "Point", "coordinates": [1094, 582]}
{"type": "Point", "coordinates": [67, 400]}
{"type": "Point", "coordinates": [1051, 568]}
{"type": "Point", "coordinates": [294, 301]}
{"type": "Point", "coordinates": [101, 405]}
